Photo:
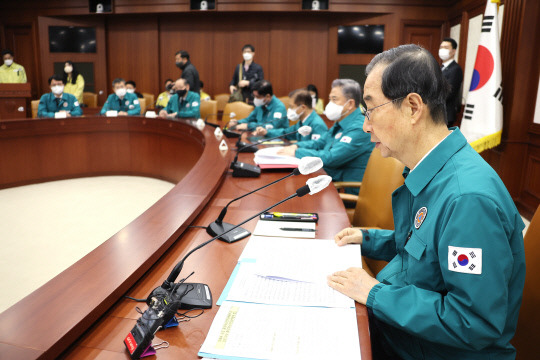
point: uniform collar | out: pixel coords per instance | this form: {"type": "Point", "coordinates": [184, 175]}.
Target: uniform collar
{"type": "Point", "coordinates": [271, 103]}
{"type": "Point", "coordinates": [353, 120]}
{"type": "Point", "coordinates": [430, 166]}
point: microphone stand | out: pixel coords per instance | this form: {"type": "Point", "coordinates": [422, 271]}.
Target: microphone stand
{"type": "Point", "coordinates": [211, 124]}
{"type": "Point", "coordinates": [225, 230]}
{"type": "Point", "coordinates": [247, 170]}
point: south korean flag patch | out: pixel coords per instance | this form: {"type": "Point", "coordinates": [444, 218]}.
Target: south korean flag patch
{"type": "Point", "coordinates": [465, 260]}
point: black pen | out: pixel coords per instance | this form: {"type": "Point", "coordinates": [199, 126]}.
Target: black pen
{"type": "Point", "coordinates": [296, 229]}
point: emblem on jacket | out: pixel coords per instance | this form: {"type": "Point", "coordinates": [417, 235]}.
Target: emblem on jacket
{"type": "Point", "coordinates": [420, 217]}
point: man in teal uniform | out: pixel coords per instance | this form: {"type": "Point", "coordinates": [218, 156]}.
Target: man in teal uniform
{"type": "Point", "coordinates": [453, 287]}
{"type": "Point", "coordinates": [121, 101]}
{"type": "Point", "coordinates": [184, 104]}
{"type": "Point", "coordinates": [57, 101]}
{"type": "Point", "coordinates": [345, 148]}
{"type": "Point", "coordinates": [300, 110]}
{"type": "Point", "coordinates": [269, 110]}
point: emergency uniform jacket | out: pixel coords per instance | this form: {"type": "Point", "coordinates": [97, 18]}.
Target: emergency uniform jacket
{"type": "Point", "coordinates": [50, 104]}
{"type": "Point", "coordinates": [273, 113]}
{"type": "Point", "coordinates": [185, 108]}
{"type": "Point", "coordinates": [318, 129]}
{"type": "Point", "coordinates": [129, 104]}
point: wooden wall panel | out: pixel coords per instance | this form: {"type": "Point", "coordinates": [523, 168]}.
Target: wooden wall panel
{"type": "Point", "coordinates": [426, 34]}
{"type": "Point", "coordinates": [132, 52]}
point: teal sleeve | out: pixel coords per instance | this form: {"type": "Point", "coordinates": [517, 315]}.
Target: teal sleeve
{"type": "Point", "coordinates": [252, 117]}
{"type": "Point", "coordinates": [105, 107]}
{"type": "Point", "coordinates": [281, 131]}
{"type": "Point", "coordinates": [192, 111]}
{"type": "Point", "coordinates": [379, 245]}
{"type": "Point", "coordinates": [42, 108]}
{"type": "Point", "coordinates": [169, 108]}
{"type": "Point", "coordinates": [136, 109]}
{"type": "Point", "coordinates": [320, 128]}
{"type": "Point", "coordinates": [76, 110]}
{"type": "Point", "coordinates": [472, 314]}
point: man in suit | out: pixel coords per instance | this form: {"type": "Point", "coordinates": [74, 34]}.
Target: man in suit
{"type": "Point", "coordinates": [454, 75]}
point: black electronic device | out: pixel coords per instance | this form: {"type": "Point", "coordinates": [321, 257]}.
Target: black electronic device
{"type": "Point", "coordinates": [194, 295]}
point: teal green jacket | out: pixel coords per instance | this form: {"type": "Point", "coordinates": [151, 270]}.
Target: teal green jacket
{"type": "Point", "coordinates": [453, 289]}
{"type": "Point", "coordinates": [274, 113]}
{"type": "Point", "coordinates": [318, 129]}
{"type": "Point", "coordinates": [186, 108]}
{"type": "Point", "coordinates": [344, 149]}
{"type": "Point", "coordinates": [48, 105]}
{"type": "Point", "coordinates": [129, 104]}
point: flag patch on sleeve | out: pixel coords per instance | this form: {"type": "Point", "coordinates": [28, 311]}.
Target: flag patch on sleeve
{"type": "Point", "coordinates": [465, 260]}
{"type": "Point", "coordinates": [346, 139]}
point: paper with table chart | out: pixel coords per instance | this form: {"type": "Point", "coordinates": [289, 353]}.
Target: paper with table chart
{"type": "Point", "coordinates": [253, 331]}
{"type": "Point", "coordinates": [275, 228]}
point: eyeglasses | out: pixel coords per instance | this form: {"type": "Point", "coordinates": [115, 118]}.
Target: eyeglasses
{"type": "Point", "coordinates": [368, 111]}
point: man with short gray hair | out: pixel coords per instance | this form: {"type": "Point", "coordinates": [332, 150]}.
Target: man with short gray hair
{"type": "Point", "coordinates": [345, 148]}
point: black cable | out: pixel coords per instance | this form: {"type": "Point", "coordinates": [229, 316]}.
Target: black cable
{"type": "Point", "coordinates": [135, 299]}
{"type": "Point", "coordinates": [197, 227]}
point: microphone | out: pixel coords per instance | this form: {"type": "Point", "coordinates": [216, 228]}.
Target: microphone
{"type": "Point", "coordinates": [211, 124]}
{"type": "Point", "coordinates": [242, 146]}
{"type": "Point", "coordinates": [308, 165]}
{"type": "Point", "coordinates": [247, 170]}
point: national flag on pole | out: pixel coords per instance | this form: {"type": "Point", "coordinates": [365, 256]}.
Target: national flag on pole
{"type": "Point", "coordinates": [483, 113]}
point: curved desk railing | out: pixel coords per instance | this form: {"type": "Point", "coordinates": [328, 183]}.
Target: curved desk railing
{"type": "Point", "coordinates": [46, 322]}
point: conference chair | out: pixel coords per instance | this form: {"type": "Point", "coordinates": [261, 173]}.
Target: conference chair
{"type": "Point", "coordinates": [209, 111]}
{"type": "Point", "coordinates": [90, 99]}
{"type": "Point", "coordinates": [374, 202]}
{"type": "Point", "coordinates": [527, 336]}
{"type": "Point", "coordinates": [241, 109]}
{"type": "Point", "coordinates": [150, 100]}
{"type": "Point", "coordinates": [142, 104]}
{"type": "Point", "coordinates": [222, 100]}
{"type": "Point", "coordinates": [34, 105]}
{"type": "Point", "coordinates": [284, 100]}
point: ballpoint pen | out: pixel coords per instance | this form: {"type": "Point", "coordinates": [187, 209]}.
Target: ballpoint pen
{"type": "Point", "coordinates": [296, 229]}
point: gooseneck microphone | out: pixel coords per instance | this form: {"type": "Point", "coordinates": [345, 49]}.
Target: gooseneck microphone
{"type": "Point", "coordinates": [211, 124]}
{"type": "Point", "coordinates": [247, 170]}
{"type": "Point", "coordinates": [242, 146]}
{"type": "Point", "coordinates": [165, 300]}
{"type": "Point", "coordinates": [308, 165]}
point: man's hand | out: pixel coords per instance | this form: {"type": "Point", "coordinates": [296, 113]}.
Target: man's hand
{"type": "Point", "coordinates": [243, 126]}
{"type": "Point", "coordinates": [171, 116]}
{"type": "Point", "coordinates": [232, 123]}
{"type": "Point", "coordinates": [163, 113]}
{"type": "Point", "coordinates": [348, 236]}
{"type": "Point", "coordinates": [288, 150]}
{"type": "Point", "coordinates": [243, 83]}
{"type": "Point", "coordinates": [353, 282]}
{"type": "Point", "coordinates": [260, 131]}
{"type": "Point", "coordinates": [232, 88]}
{"type": "Point", "coordinates": [122, 113]}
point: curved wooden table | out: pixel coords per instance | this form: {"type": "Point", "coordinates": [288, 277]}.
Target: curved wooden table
{"type": "Point", "coordinates": [212, 264]}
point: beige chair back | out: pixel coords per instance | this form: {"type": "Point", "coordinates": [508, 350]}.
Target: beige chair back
{"type": "Point", "coordinates": [527, 336]}
{"type": "Point", "coordinates": [90, 99]}
{"type": "Point", "coordinates": [222, 100]}
{"type": "Point", "coordinates": [34, 104]}
{"type": "Point", "coordinates": [150, 100]}
{"type": "Point", "coordinates": [142, 103]}
{"type": "Point", "coordinates": [241, 109]}
{"type": "Point", "coordinates": [209, 111]}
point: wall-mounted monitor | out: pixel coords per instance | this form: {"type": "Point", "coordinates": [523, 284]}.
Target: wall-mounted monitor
{"type": "Point", "coordinates": [72, 39]}
{"type": "Point", "coordinates": [360, 39]}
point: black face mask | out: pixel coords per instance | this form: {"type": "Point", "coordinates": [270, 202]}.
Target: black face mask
{"type": "Point", "coordinates": [181, 65]}
{"type": "Point", "coordinates": [181, 93]}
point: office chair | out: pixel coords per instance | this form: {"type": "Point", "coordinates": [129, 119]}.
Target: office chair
{"type": "Point", "coordinates": [142, 104]}
{"type": "Point", "coordinates": [150, 100]}
{"type": "Point", "coordinates": [34, 105]}
{"type": "Point", "coordinates": [90, 99]}
{"type": "Point", "coordinates": [241, 109]}
{"type": "Point", "coordinates": [222, 100]}
{"type": "Point", "coordinates": [209, 111]}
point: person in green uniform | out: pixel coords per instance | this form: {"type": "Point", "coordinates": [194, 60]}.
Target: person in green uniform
{"type": "Point", "coordinates": [163, 98]}
{"type": "Point", "coordinates": [269, 110]}
{"type": "Point", "coordinates": [184, 104]}
{"type": "Point", "coordinates": [121, 100]}
{"type": "Point", "coordinates": [58, 101]}
{"type": "Point", "coordinates": [452, 288]}
{"type": "Point", "coordinates": [300, 111]}
{"type": "Point", "coordinates": [74, 81]}
{"type": "Point", "coordinates": [10, 71]}
{"type": "Point", "coordinates": [345, 148]}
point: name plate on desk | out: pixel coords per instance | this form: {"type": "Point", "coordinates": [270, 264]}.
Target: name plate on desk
{"type": "Point", "coordinates": [60, 115]}
{"type": "Point", "coordinates": [111, 113]}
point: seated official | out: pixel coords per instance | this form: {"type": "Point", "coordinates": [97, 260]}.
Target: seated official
{"type": "Point", "coordinates": [73, 81]}
{"type": "Point", "coordinates": [184, 104]}
{"type": "Point", "coordinates": [269, 110]}
{"type": "Point", "coordinates": [452, 288]}
{"type": "Point", "coordinates": [300, 110]}
{"type": "Point", "coordinates": [163, 98]}
{"type": "Point", "coordinates": [345, 148]}
{"type": "Point", "coordinates": [121, 100]}
{"type": "Point", "coordinates": [11, 72]}
{"type": "Point", "coordinates": [131, 88]}
{"type": "Point", "coordinates": [58, 101]}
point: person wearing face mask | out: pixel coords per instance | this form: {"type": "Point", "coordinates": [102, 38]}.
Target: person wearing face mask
{"type": "Point", "coordinates": [58, 101]}
{"type": "Point", "coordinates": [300, 111]}
{"type": "Point", "coordinates": [189, 72]}
{"type": "Point", "coordinates": [269, 110]}
{"type": "Point", "coordinates": [10, 71]}
{"type": "Point", "coordinates": [317, 101]}
{"type": "Point", "coordinates": [74, 81]}
{"type": "Point", "coordinates": [454, 75]}
{"type": "Point", "coordinates": [184, 104]}
{"type": "Point", "coordinates": [121, 101]}
{"type": "Point", "coordinates": [131, 88]}
{"type": "Point", "coordinates": [345, 148]}
{"type": "Point", "coordinates": [163, 98]}
{"type": "Point", "coordinates": [246, 74]}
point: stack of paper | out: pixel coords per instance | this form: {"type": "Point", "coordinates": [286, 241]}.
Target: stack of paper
{"type": "Point", "coordinates": [268, 157]}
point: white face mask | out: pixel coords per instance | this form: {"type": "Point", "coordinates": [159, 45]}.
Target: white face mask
{"type": "Point", "coordinates": [333, 111]}
{"type": "Point", "coordinates": [313, 101]}
{"type": "Point", "coordinates": [130, 91]}
{"type": "Point", "coordinates": [57, 89]}
{"type": "Point", "coordinates": [247, 56]}
{"type": "Point", "coordinates": [292, 115]}
{"type": "Point", "coordinates": [120, 92]}
{"type": "Point", "coordinates": [8, 62]}
{"type": "Point", "coordinates": [444, 54]}
{"type": "Point", "coordinates": [68, 69]}
{"type": "Point", "coordinates": [258, 102]}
